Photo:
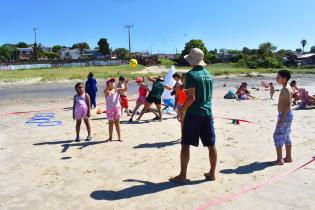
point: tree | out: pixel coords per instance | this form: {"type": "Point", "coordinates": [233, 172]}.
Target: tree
{"type": "Point", "coordinates": [194, 43]}
{"type": "Point", "coordinates": [313, 49]}
{"type": "Point", "coordinates": [56, 48]}
{"type": "Point", "coordinates": [266, 49]}
{"type": "Point", "coordinates": [298, 50]}
{"type": "Point", "coordinates": [121, 53]}
{"type": "Point", "coordinates": [51, 55]}
{"type": "Point", "coordinates": [81, 46]}
{"type": "Point", "coordinates": [246, 51]}
{"type": "Point", "coordinates": [103, 46]}
{"type": "Point", "coordinates": [303, 43]}
{"type": "Point", "coordinates": [21, 45]}
{"type": "Point", "coordinates": [9, 52]}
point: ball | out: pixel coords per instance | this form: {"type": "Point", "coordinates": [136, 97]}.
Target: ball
{"type": "Point", "coordinates": [133, 63]}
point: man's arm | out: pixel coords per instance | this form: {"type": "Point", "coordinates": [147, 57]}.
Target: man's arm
{"type": "Point", "coordinates": [151, 79]}
{"type": "Point", "coordinates": [168, 87]}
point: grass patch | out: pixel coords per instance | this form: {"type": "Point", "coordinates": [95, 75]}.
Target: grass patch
{"type": "Point", "coordinates": [69, 73]}
{"type": "Point", "coordinates": [80, 73]}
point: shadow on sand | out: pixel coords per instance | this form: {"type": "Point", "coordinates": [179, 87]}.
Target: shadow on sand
{"type": "Point", "coordinates": [137, 190]}
{"type": "Point", "coordinates": [157, 145]}
{"type": "Point", "coordinates": [66, 144]}
{"type": "Point", "coordinates": [247, 169]}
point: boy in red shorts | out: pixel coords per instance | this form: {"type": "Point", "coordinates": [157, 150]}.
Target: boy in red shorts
{"type": "Point", "coordinates": [123, 84]}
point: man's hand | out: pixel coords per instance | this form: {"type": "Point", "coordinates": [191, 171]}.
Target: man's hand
{"type": "Point", "coordinates": [88, 114]}
{"type": "Point", "coordinates": [281, 122]}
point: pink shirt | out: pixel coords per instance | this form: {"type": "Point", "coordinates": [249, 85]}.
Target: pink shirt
{"type": "Point", "coordinates": [112, 100]}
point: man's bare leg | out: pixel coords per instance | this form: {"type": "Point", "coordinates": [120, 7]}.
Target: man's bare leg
{"type": "Point", "coordinates": [159, 108]}
{"type": "Point", "coordinates": [146, 107]}
{"type": "Point", "coordinates": [213, 163]}
{"type": "Point", "coordinates": [288, 157]}
{"type": "Point", "coordinates": [184, 159]}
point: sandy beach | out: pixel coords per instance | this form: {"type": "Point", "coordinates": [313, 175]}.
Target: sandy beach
{"type": "Point", "coordinates": [43, 168]}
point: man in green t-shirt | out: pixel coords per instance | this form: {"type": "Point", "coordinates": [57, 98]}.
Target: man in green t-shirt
{"type": "Point", "coordinates": [198, 122]}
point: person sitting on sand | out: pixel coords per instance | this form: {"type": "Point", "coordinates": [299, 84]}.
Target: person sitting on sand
{"type": "Point", "coordinates": [113, 107]}
{"type": "Point", "coordinates": [81, 110]}
{"type": "Point", "coordinates": [155, 96]}
{"type": "Point", "coordinates": [272, 90]}
{"type": "Point", "coordinates": [243, 93]}
{"type": "Point", "coordinates": [282, 134]}
{"type": "Point", "coordinates": [143, 91]}
{"type": "Point", "coordinates": [198, 122]}
{"type": "Point", "coordinates": [295, 90]}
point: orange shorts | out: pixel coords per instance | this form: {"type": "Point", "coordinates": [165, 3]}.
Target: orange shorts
{"type": "Point", "coordinates": [124, 101]}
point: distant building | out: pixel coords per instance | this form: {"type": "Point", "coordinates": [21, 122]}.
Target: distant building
{"type": "Point", "coordinates": [67, 53]}
{"type": "Point", "coordinates": [306, 59]}
{"type": "Point", "coordinates": [25, 53]}
{"type": "Point", "coordinates": [90, 54]}
{"type": "Point", "coordinates": [167, 56]}
{"type": "Point", "coordinates": [45, 49]}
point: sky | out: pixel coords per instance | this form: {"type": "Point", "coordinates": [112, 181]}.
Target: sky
{"type": "Point", "coordinates": [160, 25]}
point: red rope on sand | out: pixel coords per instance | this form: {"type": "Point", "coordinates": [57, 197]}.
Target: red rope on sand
{"type": "Point", "coordinates": [248, 189]}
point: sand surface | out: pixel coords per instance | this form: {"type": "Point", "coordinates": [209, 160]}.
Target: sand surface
{"type": "Point", "coordinates": [43, 168]}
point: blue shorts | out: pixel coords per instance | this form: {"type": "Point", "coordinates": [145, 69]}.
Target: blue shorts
{"type": "Point", "coordinates": [196, 127]}
{"type": "Point", "coordinates": [282, 134]}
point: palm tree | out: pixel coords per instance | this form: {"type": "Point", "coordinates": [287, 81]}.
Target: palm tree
{"type": "Point", "coordinates": [303, 43]}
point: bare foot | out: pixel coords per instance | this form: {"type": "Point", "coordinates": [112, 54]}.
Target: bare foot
{"type": "Point", "coordinates": [120, 140]}
{"type": "Point", "coordinates": [179, 179]}
{"type": "Point", "coordinates": [277, 163]}
{"type": "Point", "coordinates": [287, 160]}
{"type": "Point", "coordinates": [209, 176]}
{"type": "Point", "coordinates": [109, 139]}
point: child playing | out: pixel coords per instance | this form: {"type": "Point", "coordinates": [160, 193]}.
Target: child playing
{"type": "Point", "coordinates": [181, 96]}
{"type": "Point", "coordinates": [176, 77]}
{"type": "Point", "coordinates": [272, 90]}
{"type": "Point", "coordinates": [143, 91]}
{"type": "Point", "coordinates": [295, 90]}
{"type": "Point", "coordinates": [282, 133]}
{"type": "Point", "coordinates": [113, 107]}
{"type": "Point", "coordinates": [123, 85]}
{"type": "Point", "coordinates": [155, 97]}
{"type": "Point", "coordinates": [81, 110]}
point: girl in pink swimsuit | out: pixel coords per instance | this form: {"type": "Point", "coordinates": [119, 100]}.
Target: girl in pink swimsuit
{"type": "Point", "coordinates": [81, 110]}
{"type": "Point", "coordinates": [143, 91]}
{"type": "Point", "coordinates": [113, 107]}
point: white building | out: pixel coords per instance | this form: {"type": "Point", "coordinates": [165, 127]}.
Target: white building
{"type": "Point", "coordinates": [26, 51]}
{"type": "Point", "coordinates": [67, 53]}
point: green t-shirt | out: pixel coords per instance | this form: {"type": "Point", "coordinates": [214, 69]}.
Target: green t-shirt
{"type": "Point", "coordinates": [200, 79]}
{"type": "Point", "coordinates": [157, 89]}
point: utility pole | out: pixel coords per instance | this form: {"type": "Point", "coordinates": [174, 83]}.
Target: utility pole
{"type": "Point", "coordinates": [34, 29]}
{"type": "Point", "coordinates": [35, 49]}
{"type": "Point", "coordinates": [129, 26]}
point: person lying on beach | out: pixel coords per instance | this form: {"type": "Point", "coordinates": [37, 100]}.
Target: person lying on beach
{"type": "Point", "coordinates": [155, 97]}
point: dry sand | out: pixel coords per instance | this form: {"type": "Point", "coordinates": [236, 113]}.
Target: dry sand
{"type": "Point", "coordinates": [43, 168]}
